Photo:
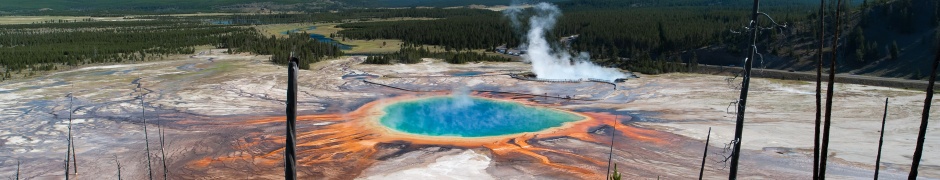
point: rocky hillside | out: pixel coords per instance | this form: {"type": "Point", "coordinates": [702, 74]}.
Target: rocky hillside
{"type": "Point", "coordinates": [880, 38]}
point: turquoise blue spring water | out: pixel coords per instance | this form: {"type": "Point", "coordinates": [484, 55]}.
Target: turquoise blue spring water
{"type": "Point", "coordinates": [464, 116]}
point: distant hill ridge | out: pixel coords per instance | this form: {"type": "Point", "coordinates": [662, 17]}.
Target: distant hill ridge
{"type": "Point", "coordinates": [206, 5]}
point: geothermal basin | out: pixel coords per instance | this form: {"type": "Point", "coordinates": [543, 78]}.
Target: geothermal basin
{"type": "Point", "coordinates": [224, 119]}
{"type": "Point", "coordinates": [465, 116]}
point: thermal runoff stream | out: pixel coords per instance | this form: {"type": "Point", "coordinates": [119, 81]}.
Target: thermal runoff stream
{"type": "Point", "coordinates": [463, 116]}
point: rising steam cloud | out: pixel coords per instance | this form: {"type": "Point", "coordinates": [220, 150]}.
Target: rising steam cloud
{"type": "Point", "coordinates": [513, 14]}
{"type": "Point", "coordinates": [549, 63]}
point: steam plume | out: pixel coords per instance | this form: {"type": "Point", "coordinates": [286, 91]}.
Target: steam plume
{"type": "Point", "coordinates": [513, 14]}
{"type": "Point", "coordinates": [549, 63]}
{"type": "Point", "coordinates": [462, 98]}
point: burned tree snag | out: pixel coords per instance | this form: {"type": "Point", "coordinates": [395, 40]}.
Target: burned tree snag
{"type": "Point", "coordinates": [290, 172]}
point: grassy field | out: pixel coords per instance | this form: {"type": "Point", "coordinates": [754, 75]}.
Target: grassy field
{"type": "Point", "coordinates": [127, 4]}
{"type": "Point", "coordinates": [376, 46]}
{"type": "Point", "coordinates": [492, 8]}
{"type": "Point", "coordinates": [279, 29]}
{"type": "Point", "coordinates": [33, 19]}
{"type": "Point", "coordinates": [208, 5]}
{"type": "Point", "coordinates": [360, 46]}
{"type": "Point", "coordinates": [192, 14]}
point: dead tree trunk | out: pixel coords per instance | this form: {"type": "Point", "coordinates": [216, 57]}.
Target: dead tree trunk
{"type": "Point", "coordinates": [701, 171]}
{"type": "Point", "coordinates": [74, 159]}
{"type": "Point", "coordinates": [68, 145]}
{"type": "Point", "coordinates": [66, 168]}
{"type": "Point", "coordinates": [819, 64]}
{"type": "Point", "coordinates": [146, 138]}
{"type": "Point", "coordinates": [610, 155]}
{"type": "Point", "coordinates": [290, 172]}
{"type": "Point", "coordinates": [118, 167]}
{"type": "Point", "coordinates": [742, 100]}
{"type": "Point", "coordinates": [161, 132]}
{"type": "Point", "coordinates": [829, 91]}
{"type": "Point", "coordinates": [72, 141]}
{"type": "Point", "coordinates": [918, 151]}
{"type": "Point", "coordinates": [881, 139]}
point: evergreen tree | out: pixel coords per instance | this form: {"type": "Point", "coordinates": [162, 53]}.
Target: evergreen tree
{"type": "Point", "coordinates": [894, 50]}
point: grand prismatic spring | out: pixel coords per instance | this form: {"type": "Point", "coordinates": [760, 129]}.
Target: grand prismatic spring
{"type": "Point", "coordinates": [463, 116]}
{"type": "Point", "coordinates": [504, 125]}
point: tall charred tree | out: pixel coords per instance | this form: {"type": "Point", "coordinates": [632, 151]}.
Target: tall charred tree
{"type": "Point", "coordinates": [118, 167]}
{"type": "Point", "coordinates": [742, 100]}
{"type": "Point", "coordinates": [290, 173]}
{"type": "Point", "coordinates": [701, 171]}
{"type": "Point", "coordinates": [819, 65]}
{"type": "Point", "coordinates": [613, 132]}
{"type": "Point", "coordinates": [161, 132]}
{"type": "Point", "coordinates": [881, 139]}
{"type": "Point", "coordinates": [72, 145]}
{"type": "Point", "coordinates": [829, 91]}
{"type": "Point", "coordinates": [68, 148]}
{"type": "Point", "coordinates": [753, 28]}
{"type": "Point", "coordinates": [72, 141]}
{"type": "Point", "coordinates": [66, 169]}
{"type": "Point", "coordinates": [146, 137]}
{"type": "Point", "coordinates": [918, 151]}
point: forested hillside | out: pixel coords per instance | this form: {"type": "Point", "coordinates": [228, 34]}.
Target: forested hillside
{"type": "Point", "coordinates": [433, 3]}
{"type": "Point", "coordinates": [889, 38]}
{"type": "Point", "coordinates": [411, 55]}
{"type": "Point", "coordinates": [351, 14]}
{"type": "Point", "coordinates": [43, 47]}
{"type": "Point", "coordinates": [619, 4]}
{"type": "Point", "coordinates": [894, 38]}
{"type": "Point", "coordinates": [881, 37]}
{"type": "Point", "coordinates": [606, 33]}
{"type": "Point", "coordinates": [138, 5]}
{"type": "Point", "coordinates": [459, 33]}
{"type": "Point", "coordinates": [151, 6]}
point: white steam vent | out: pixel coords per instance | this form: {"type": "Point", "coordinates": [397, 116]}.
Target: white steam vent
{"type": "Point", "coordinates": [548, 63]}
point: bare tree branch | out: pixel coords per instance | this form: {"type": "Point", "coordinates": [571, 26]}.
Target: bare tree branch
{"type": "Point", "coordinates": [118, 167]}
{"type": "Point", "coordinates": [613, 131]}
{"type": "Point", "coordinates": [701, 171]}
{"type": "Point", "coordinates": [68, 145]}
{"type": "Point", "coordinates": [881, 139]}
{"type": "Point", "coordinates": [146, 138]}
{"type": "Point", "coordinates": [161, 132]}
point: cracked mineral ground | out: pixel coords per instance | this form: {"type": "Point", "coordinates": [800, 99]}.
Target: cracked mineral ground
{"type": "Point", "coordinates": [223, 117]}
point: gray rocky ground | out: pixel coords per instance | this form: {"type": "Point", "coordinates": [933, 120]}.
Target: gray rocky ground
{"type": "Point", "coordinates": [204, 101]}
